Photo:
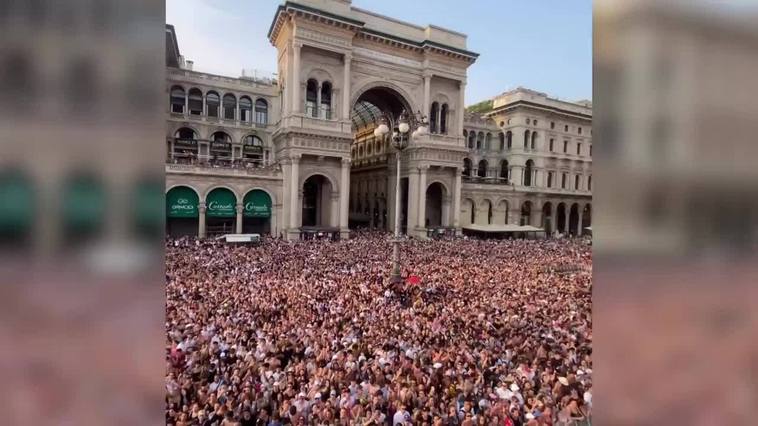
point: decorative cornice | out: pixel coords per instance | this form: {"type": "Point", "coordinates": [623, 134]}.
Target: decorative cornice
{"type": "Point", "coordinates": [293, 9]}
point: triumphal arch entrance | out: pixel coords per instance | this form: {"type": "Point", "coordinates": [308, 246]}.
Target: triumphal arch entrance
{"type": "Point", "coordinates": [341, 69]}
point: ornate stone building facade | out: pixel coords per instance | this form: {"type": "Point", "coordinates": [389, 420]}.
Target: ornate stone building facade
{"type": "Point", "coordinates": [298, 154]}
{"type": "Point", "coordinates": [529, 163]}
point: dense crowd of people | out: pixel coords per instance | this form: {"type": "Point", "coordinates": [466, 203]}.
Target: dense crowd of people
{"type": "Point", "coordinates": [311, 333]}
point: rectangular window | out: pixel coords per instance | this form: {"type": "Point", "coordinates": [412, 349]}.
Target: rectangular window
{"type": "Point", "coordinates": [590, 150]}
{"type": "Point", "coordinates": [580, 130]}
{"type": "Point", "coordinates": [212, 110]}
{"type": "Point", "coordinates": [229, 112]}
{"type": "Point", "coordinates": [551, 144]}
{"type": "Point", "coordinates": [566, 128]}
{"type": "Point", "coordinates": [589, 183]}
{"type": "Point", "coordinates": [245, 115]}
{"type": "Point", "coordinates": [565, 147]}
{"type": "Point", "coordinates": [563, 181]}
{"type": "Point", "coordinates": [552, 124]}
{"type": "Point", "coordinates": [578, 149]}
{"type": "Point", "coordinates": [549, 179]}
{"type": "Point", "coordinates": [576, 182]}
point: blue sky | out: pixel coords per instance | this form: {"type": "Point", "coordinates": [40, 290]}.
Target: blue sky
{"type": "Point", "coordinates": [545, 45]}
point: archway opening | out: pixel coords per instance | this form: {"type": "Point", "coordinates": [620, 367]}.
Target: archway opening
{"type": "Point", "coordinates": [18, 209]}
{"type": "Point", "coordinates": [373, 169]}
{"type": "Point", "coordinates": [435, 194]}
{"type": "Point", "coordinates": [526, 213]}
{"type": "Point", "coordinates": [256, 213]}
{"type": "Point", "coordinates": [182, 213]}
{"type": "Point", "coordinates": [560, 218]}
{"type": "Point", "coordinates": [317, 192]}
{"type": "Point", "coordinates": [574, 219]}
{"type": "Point", "coordinates": [220, 212]}
{"type": "Point", "coordinates": [587, 216]}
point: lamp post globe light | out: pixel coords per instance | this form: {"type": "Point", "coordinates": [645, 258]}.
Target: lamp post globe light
{"type": "Point", "coordinates": [401, 135]}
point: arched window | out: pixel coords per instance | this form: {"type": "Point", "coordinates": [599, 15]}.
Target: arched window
{"type": "Point", "coordinates": [185, 133]}
{"type": "Point", "coordinates": [261, 111]}
{"type": "Point", "coordinates": [220, 137]}
{"type": "Point", "coordinates": [252, 149]}
{"type": "Point", "coordinates": [472, 140]}
{"type": "Point", "coordinates": [466, 167]}
{"type": "Point", "coordinates": [503, 170]}
{"type": "Point", "coordinates": [534, 140]}
{"type": "Point", "coordinates": [246, 109]}
{"type": "Point", "coordinates": [433, 124]}
{"type": "Point", "coordinates": [482, 169]}
{"type": "Point", "coordinates": [502, 141]}
{"type": "Point", "coordinates": [177, 100]}
{"type": "Point", "coordinates": [509, 139]}
{"type": "Point", "coordinates": [221, 146]}
{"type": "Point", "coordinates": [213, 101]}
{"type": "Point", "coordinates": [195, 101]}
{"type": "Point", "coordinates": [526, 213]}
{"type": "Point", "coordinates": [526, 139]}
{"type": "Point", "coordinates": [488, 142]}
{"type": "Point", "coordinates": [443, 119]}
{"type": "Point", "coordinates": [311, 97]}
{"type": "Point", "coordinates": [326, 100]}
{"type": "Point", "coordinates": [480, 140]}
{"type": "Point", "coordinates": [528, 171]}
{"type": "Point", "coordinates": [230, 107]}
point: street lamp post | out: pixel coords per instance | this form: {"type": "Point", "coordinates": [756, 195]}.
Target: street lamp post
{"type": "Point", "coordinates": [400, 140]}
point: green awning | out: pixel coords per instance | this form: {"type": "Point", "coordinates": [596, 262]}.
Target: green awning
{"type": "Point", "coordinates": [182, 202]}
{"type": "Point", "coordinates": [84, 204]}
{"type": "Point", "coordinates": [257, 204]}
{"type": "Point", "coordinates": [146, 204]}
{"type": "Point", "coordinates": [221, 202]}
{"type": "Point", "coordinates": [16, 204]}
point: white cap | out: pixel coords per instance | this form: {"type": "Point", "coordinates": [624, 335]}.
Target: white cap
{"type": "Point", "coordinates": [317, 396]}
{"type": "Point", "coordinates": [514, 387]}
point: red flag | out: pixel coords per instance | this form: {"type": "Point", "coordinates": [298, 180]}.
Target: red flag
{"type": "Point", "coordinates": [413, 280]}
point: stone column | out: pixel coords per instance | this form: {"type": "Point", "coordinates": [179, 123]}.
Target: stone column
{"type": "Point", "coordinates": [446, 204]}
{"type": "Point", "coordinates": [201, 220]}
{"type": "Point", "coordinates": [335, 209]}
{"type": "Point", "coordinates": [461, 108]}
{"type": "Point", "coordinates": [346, 107]}
{"type": "Point", "coordinates": [427, 94]}
{"type": "Point", "coordinates": [240, 209]}
{"type": "Point", "coordinates": [318, 101]}
{"type": "Point", "coordinates": [294, 191]}
{"type": "Point", "coordinates": [567, 219]}
{"type": "Point", "coordinates": [580, 210]}
{"type": "Point", "coordinates": [286, 194]}
{"type": "Point", "coordinates": [516, 178]}
{"type": "Point", "coordinates": [296, 77]}
{"type": "Point", "coordinates": [422, 196]}
{"type": "Point", "coordinates": [344, 195]}
{"type": "Point", "coordinates": [413, 198]}
{"type": "Point", "coordinates": [457, 198]}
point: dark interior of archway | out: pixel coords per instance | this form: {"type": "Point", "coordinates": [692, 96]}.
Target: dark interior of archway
{"type": "Point", "coordinates": [372, 104]}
